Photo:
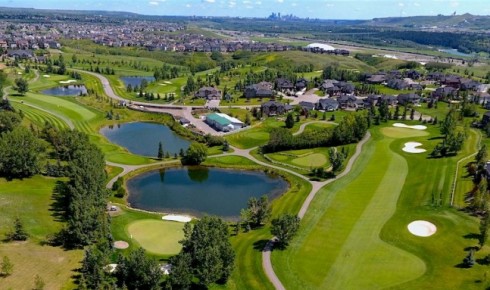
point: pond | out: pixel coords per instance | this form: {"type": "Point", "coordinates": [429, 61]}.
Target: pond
{"type": "Point", "coordinates": [135, 80]}
{"type": "Point", "coordinates": [201, 190]}
{"type": "Point", "coordinates": [454, 51]}
{"type": "Point", "coordinates": [142, 138]}
{"type": "Point", "coordinates": [70, 90]}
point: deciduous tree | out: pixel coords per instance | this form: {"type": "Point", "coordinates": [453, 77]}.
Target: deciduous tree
{"type": "Point", "coordinates": [284, 228]}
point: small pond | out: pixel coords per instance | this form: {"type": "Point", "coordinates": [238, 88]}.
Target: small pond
{"type": "Point", "coordinates": [454, 51]}
{"type": "Point", "coordinates": [201, 190]}
{"type": "Point", "coordinates": [135, 80]}
{"type": "Point", "coordinates": [70, 90]}
{"type": "Point", "coordinates": [142, 138]}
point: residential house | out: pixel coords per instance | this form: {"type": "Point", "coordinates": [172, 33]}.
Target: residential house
{"type": "Point", "coordinates": [307, 105]}
{"type": "Point", "coordinates": [273, 108]}
{"type": "Point", "coordinates": [327, 104]}
{"type": "Point", "coordinates": [301, 84]}
{"type": "Point", "coordinates": [347, 101]}
{"type": "Point", "coordinates": [444, 93]}
{"type": "Point", "coordinates": [260, 90]}
{"type": "Point", "coordinates": [209, 93]}
{"type": "Point", "coordinates": [376, 79]}
{"type": "Point", "coordinates": [411, 98]}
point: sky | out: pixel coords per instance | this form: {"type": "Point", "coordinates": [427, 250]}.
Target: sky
{"type": "Point", "coordinates": [324, 9]}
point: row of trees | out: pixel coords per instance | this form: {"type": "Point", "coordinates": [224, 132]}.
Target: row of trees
{"type": "Point", "coordinates": [454, 136]}
{"type": "Point", "coordinates": [351, 129]}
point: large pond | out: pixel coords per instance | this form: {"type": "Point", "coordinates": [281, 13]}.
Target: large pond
{"type": "Point", "coordinates": [142, 138]}
{"type": "Point", "coordinates": [454, 51]}
{"type": "Point", "coordinates": [135, 80]}
{"type": "Point", "coordinates": [201, 190]}
{"type": "Point", "coordinates": [70, 90]}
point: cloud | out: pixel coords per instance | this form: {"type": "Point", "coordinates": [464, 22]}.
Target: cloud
{"type": "Point", "coordinates": [154, 3]}
{"type": "Point", "coordinates": [246, 2]}
{"type": "Point", "coordinates": [401, 4]}
{"type": "Point", "coordinates": [294, 4]}
{"type": "Point", "coordinates": [258, 2]}
{"type": "Point", "coordinates": [279, 1]}
{"type": "Point", "coordinates": [417, 4]}
{"type": "Point", "coordinates": [188, 5]}
{"type": "Point", "coordinates": [454, 4]}
{"type": "Point", "coordinates": [210, 1]}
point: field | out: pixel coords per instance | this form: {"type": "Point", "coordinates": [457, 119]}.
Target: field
{"type": "Point", "coordinates": [305, 158]}
{"type": "Point", "coordinates": [354, 235]}
{"type": "Point", "coordinates": [30, 200]}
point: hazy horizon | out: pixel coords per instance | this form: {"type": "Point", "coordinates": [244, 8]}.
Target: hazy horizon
{"type": "Point", "coordinates": [322, 9]}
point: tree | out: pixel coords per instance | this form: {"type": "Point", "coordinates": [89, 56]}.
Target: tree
{"type": "Point", "coordinates": [247, 120]}
{"type": "Point", "coordinates": [181, 275]}
{"type": "Point", "coordinates": [482, 155]}
{"type": "Point", "coordinates": [18, 233]}
{"type": "Point", "coordinates": [38, 283]}
{"type": "Point", "coordinates": [383, 110]}
{"type": "Point", "coordinates": [94, 261]}
{"type": "Point", "coordinates": [469, 260]}
{"type": "Point", "coordinates": [6, 267]}
{"type": "Point", "coordinates": [412, 114]}
{"type": "Point", "coordinates": [289, 121]}
{"type": "Point", "coordinates": [195, 154]}
{"type": "Point", "coordinates": [336, 159]}
{"type": "Point", "coordinates": [21, 86]}
{"type": "Point", "coordinates": [209, 248]}
{"type": "Point", "coordinates": [160, 151]}
{"type": "Point", "coordinates": [284, 228]}
{"type": "Point", "coordinates": [9, 120]}
{"type": "Point", "coordinates": [21, 153]}
{"type": "Point", "coordinates": [137, 271]}
{"type": "Point", "coordinates": [484, 224]}
{"type": "Point", "coordinates": [258, 210]}
{"type": "Point", "coordinates": [448, 125]}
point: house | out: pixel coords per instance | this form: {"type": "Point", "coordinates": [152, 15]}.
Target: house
{"type": "Point", "coordinates": [376, 100]}
{"type": "Point", "coordinates": [301, 84]}
{"type": "Point", "coordinates": [21, 53]}
{"type": "Point", "coordinates": [413, 74]}
{"type": "Point", "coordinates": [397, 84]}
{"type": "Point", "coordinates": [469, 85]}
{"type": "Point", "coordinates": [411, 98]}
{"type": "Point", "coordinates": [376, 79]}
{"type": "Point", "coordinates": [283, 85]}
{"type": "Point", "coordinates": [273, 108]}
{"type": "Point", "coordinates": [444, 92]}
{"type": "Point", "coordinates": [260, 90]}
{"type": "Point", "coordinates": [485, 119]}
{"type": "Point", "coordinates": [209, 93]}
{"type": "Point", "coordinates": [346, 101]}
{"type": "Point", "coordinates": [307, 105]}
{"type": "Point", "coordinates": [327, 104]}
{"type": "Point", "coordinates": [184, 122]}
{"type": "Point", "coordinates": [451, 81]}
{"type": "Point", "coordinates": [223, 122]}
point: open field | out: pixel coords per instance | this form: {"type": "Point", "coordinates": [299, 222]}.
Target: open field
{"type": "Point", "coordinates": [30, 200]}
{"type": "Point", "coordinates": [305, 158]}
{"type": "Point", "coordinates": [354, 236]}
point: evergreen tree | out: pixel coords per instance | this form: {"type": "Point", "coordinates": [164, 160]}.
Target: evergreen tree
{"type": "Point", "coordinates": [160, 151]}
{"type": "Point", "coordinates": [289, 121]}
{"type": "Point", "coordinates": [482, 156]}
{"type": "Point", "coordinates": [21, 86]}
{"type": "Point", "coordinates": [18, 233]}
{"type": "Point", "coordinates": [6, 267]}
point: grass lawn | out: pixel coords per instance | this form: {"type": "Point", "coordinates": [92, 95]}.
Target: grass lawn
{"type": "Point", "coordinates": [157, 236]}
{"type": "Point", "coordinates": [30, 200]}
{"type": "Point", "coordinates": [354, 235]}
{"type": "Point", "coordinates": [305, 158]}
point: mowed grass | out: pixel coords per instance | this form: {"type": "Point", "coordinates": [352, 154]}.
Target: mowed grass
{"type": "Point", "coordinates": [354, 235]}
{"type": "Point", "coordinates": [395, 132]}
{"type": "Point", "coordinates": [30, 200]}
{"type": "Point", "coordinates": [305, 158]}
{"type": "Point", "coordinates": [157, 236]}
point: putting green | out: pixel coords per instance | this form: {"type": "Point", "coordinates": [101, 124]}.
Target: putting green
{"type": "Point", "coordinates": [394, 132]}
{"type": "Point", "coordinates": [312, 160]}
{"type": "Point", "coordinates": [157, 236]}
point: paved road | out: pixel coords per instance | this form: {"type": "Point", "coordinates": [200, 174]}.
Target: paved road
{"type": "Point", "coordinates": [129, 168]}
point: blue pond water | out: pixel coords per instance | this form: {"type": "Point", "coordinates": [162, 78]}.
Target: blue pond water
{"type": "Point", "coordinates": [201, 190]}
{"type": "Point", "coordinates": [142, 138]}
{"type": "Point", "coordinates": [136, 80]}
{"type": "Point", "coordinates": [70, 90]}
{"type": "Point", "coordinates": [454, 52]}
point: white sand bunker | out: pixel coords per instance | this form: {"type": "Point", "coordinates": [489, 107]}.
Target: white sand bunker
{"type": "Point", "coordinates": [121, 245]}
{"type": "Point", "coordinates": [46, 76]}
{"type": "Point", "coordinates": [422, 228]}
{"type": "Point", "coordinates": [68, 82]}
{"type": "Point", "coordinates": [411, 147]}
{"type": "Point", "coordinates": [167, 82]}
{"type": "Point", "coordinates": [177, 218]}
{"type": "Point", "coordinates": [416, 127]}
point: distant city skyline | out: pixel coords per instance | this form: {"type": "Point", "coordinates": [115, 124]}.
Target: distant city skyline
{"type": "Point", "coordinates": [324, 9]}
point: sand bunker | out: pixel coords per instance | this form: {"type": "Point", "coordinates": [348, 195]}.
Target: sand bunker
{"type": "Point", "coordinates": [177, 218]}
{"type": "Point", "coordinates": [411, 147]}
{"type": "Point", "coordinates": [46, 76]}
{"type": "Point", "coordinates": [416, 127]}
{"type": "Point", "coordinates": [19, 73]}
{"type": "Point", "coordinates": [121, 245]}
{"type": "Point", "coordinates": [422, 228]}
{"type": "Point", "coordinates": [68, 82]}
{"type": "Point", "coordinates": [167, 82]}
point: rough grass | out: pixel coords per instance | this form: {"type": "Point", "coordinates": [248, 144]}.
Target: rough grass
{"type": "Point", "coordinates": [157, 236]}
{"type": "Point", "coordinates": [30, 200]}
